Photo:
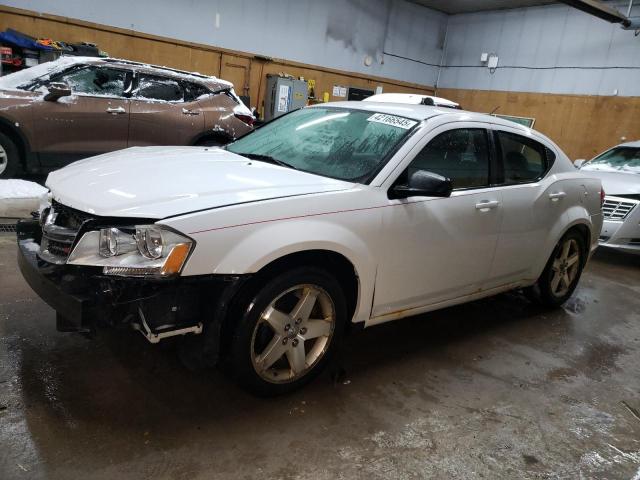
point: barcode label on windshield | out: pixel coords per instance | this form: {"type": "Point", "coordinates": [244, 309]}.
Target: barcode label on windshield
{"type": "Point", "coordinates": [392, 120]}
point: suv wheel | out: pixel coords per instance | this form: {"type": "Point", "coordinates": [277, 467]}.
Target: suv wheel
{"type": "Point", "coordinates": [288, 331]}
{"type": "Point", "coordinates": [9, 157]}
{"type": "Point", "coordinates": [562, 272]}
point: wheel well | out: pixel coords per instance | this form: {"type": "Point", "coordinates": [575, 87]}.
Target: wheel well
{"type": "Point", "coordinates": [221, 137]}
{"type": "Point", "coordinates": [336, 264]}
{"type": "Point", "coordinates": [584, 233]}
{"type": "Point", "coordinates": [15, 138]}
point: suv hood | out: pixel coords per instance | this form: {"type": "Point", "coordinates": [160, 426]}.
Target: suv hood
{"type": "Point", "coordinates": [160, 182]}
{"type": "Point", "coordinates": [616, 183]}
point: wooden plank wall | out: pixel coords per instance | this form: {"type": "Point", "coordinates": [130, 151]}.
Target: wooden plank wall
{"type": "Point", "coordinates": [582, 125]}
{"type": "Point", "coordinates": [244, 70]}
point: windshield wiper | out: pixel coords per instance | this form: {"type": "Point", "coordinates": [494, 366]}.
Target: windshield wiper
{"type": "Point", "coordinates": [266, 158]}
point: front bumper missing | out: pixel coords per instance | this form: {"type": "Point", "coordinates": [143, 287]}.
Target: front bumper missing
{"type": "Point", "coordinates": [84, 298]}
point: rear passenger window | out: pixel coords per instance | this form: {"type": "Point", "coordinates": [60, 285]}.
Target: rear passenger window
{"type": "Point", "coordinates": [523, 159]}
{"type": "Point", "coordinates": [193, 91]}
{"type": "Point", "coordinates": [158, 88]}
{"type": "Point", "coordinates": [461, 155]}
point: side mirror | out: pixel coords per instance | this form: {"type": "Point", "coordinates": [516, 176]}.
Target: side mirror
{"type": "Point", "coordinates": [422, 183]}
{"type": "Point", "coordinates": [56, 91]}
{"type": "Point", "coordinates": [579, 163]}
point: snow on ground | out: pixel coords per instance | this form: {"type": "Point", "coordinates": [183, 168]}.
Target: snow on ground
{"type": "Point", "coordinates": [18, 198]}
{"type": "Point", "coordinates": [20, 189]}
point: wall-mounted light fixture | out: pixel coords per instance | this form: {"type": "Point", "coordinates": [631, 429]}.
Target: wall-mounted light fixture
{"type": "Point", "coordinates": [490, 60]}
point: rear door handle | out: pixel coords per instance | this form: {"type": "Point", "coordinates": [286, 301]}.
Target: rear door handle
{"type": "Point", "coordinates": [116, 110]}
{"type": "Point", "coordinates": [487, 205]}
{"type": "Point", "coordinates": [557, 196]}
{"type": "Point", "coordinates": [186, 111]}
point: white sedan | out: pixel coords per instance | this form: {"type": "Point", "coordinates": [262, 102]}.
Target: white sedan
{"type": "Point", "coordinates": [262, 253]}
{"type": "Point", "coordinates": [619, 170]}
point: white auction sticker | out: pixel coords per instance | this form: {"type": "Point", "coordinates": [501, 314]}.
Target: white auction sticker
{"type": "Point", "coordinates": [392, 120]}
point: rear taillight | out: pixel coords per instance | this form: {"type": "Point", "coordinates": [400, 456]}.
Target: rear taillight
{"type": "Point", "coordinates": [248, 119]}
{"type": "Point", "coordinates": [601, 196]}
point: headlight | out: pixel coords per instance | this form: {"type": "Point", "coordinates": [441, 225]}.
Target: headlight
{"type": "Point", "coordinates": [133, 251]}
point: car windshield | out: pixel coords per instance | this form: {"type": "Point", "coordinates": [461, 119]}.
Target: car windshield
{"type": "Point", "coordinates": [619, 159]}
{"type": "Point", "coordinates": [333, 142]}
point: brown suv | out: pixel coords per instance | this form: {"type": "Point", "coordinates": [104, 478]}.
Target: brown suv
{"type": "Point", "coordinates": [75, 107]}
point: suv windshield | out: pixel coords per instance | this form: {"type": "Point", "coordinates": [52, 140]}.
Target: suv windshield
{"type": "Point", "coordinates": [334, 142]}
{"type": "Point", "coordinates": [619, 159]}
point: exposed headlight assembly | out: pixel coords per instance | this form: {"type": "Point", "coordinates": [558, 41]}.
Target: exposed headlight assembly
{"type": "Point", "coordinates": [136, 251]}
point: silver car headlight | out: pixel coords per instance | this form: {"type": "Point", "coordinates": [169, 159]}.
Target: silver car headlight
{"type": "Point", "coordinates": [137, 251]}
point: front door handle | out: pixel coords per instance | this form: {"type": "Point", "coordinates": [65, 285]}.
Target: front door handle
{"type": "Point", "coordinates": [557, 196]}
{"type": "Point", "coordinates": [116, 110]}
{"type": "Point", "coordinates": [487, 205]}
{"type": "Point", "coordinates": [186, 111]}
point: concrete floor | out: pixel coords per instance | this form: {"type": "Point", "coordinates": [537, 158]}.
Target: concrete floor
{"type": "Point", "coordinates": [493, 389]}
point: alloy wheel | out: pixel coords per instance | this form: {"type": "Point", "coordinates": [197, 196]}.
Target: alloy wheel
{"type": "Point", "coordinates": [565, 268]}
{"type": "Point", "coordinates": [293, 333]}
{"type": "Point", "coordinates": [4, 160]}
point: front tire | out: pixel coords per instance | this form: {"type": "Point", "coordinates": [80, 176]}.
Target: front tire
{"type": "Point", "coordinates": [288, 331]}
{"type": "Point", "coordinates": [562, 272]}
{"type": "Point", "coordinates": [9, 157]}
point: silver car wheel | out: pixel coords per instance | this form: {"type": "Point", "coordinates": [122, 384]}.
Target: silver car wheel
{"type": "Point", "coordinates": [565, 267]}
{"type": "Point", "coordinates": [293, 333]}
{"type": "Point", "coordinates": [4, 160]}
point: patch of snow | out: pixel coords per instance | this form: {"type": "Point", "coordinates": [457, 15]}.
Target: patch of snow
{"type": "Point", "coordinates": [31, 245]}
{"type": "Point", "coordinates": [241, 109]}
{"type": "Point", "coordinates": [413, 435]}
{"type": "Point", "coordinates": [21, 189]}
{"type": "Point", "coordinates": [588, 421]}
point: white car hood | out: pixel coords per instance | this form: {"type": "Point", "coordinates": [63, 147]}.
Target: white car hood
{"type": "Point", "coordinates": [616, 183]}
{"type": "Point", "coordinates": [160, 182]}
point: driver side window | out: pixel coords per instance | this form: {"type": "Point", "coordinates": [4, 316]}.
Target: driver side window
{"type": "Point", "coordinates": [461, 155]}
{"type": "Point", "coordinates": [95, 81]}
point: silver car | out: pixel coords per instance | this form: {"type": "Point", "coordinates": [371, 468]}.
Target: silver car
{"type": "Point", "coordinates": [619, 170]}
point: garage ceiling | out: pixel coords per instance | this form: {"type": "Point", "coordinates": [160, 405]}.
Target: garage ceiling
{"type": "Point", "coordinates": [464, 6]}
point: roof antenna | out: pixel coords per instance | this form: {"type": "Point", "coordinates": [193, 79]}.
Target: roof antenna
{"type": "Point", "coordinates": [495, 110]}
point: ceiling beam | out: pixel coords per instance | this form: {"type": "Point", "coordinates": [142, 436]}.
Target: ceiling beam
{"type": "Point", "coordinates": [600, 10]}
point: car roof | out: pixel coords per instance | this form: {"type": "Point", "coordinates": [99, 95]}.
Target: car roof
{"type": "Point", "coordinates": [210, 81]}
{"type": "Point", "coordinates": [66, 61]}
{"type": "Point", "coordinates": [635, 144]}
{"type": "Point", "coordinates": [425, 112]}
{"type": "Point", "coordinates": [411, 98]}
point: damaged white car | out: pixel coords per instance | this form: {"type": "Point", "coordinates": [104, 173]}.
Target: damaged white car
{"type": "Point", "coordinates": [262, 253]}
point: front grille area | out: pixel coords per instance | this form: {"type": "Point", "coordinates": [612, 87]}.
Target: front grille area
{"type": "Point", "coordinates": [59, 249]}
{"type": "Point", "coordinates": [59, 230]}
{"type": "Point", "coordinates": [69, 217]}
{"type": "Point", "coordinates": [614, 209]}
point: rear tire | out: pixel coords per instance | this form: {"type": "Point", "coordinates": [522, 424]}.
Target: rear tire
{"type": "Point", "coordinates": [562, 273]}
{"type": "Point", "coordinates": [287, 331]}
{"type": "Point", "coordinates": [9, 157]}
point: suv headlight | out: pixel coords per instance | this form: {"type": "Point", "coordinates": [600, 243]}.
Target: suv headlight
{"type": "Point", "coordinates": [136, 251]}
